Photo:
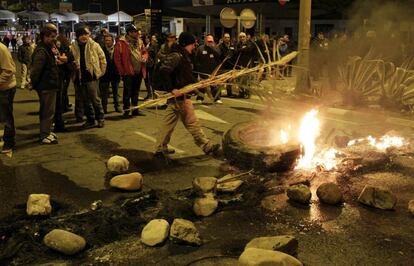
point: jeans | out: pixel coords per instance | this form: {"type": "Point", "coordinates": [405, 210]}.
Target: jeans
{"type": "Point", "coordinates": [59, 123]}
{"type": "Point", "coordinates": [79, 102]}
{"type": "Point", "coordinates": [91, 101]}
{"type": "Point", "coordinates": [132, 85]}
{"type": "Point", "coordinates": [104, 92]}
{"type": "Point", "coordinates": [6, 116]}
{"type": "Point", "coordinates": [47, 100]}
{"type": "Point", "coordinates": [25, 75]}
{"type": "Point", "coordinates": [65, 97]}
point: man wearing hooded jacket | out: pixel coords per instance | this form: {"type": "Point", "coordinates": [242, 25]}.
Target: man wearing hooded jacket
{"type": "Point", "coordinates": [177, 72]}
{"type": "Point", "coordinates": [130, 56]}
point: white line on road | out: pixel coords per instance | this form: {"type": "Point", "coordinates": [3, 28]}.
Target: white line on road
{"type": "Point", "coordinates": [152, 139]}
{"type": "Point", "coordinates": [207, 116]}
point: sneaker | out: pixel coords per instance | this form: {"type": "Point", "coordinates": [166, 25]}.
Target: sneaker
{"type": "Point", "coordinates": [126, 114]}
{"type": "Point", "coordinates": [215, 150]}
{"type": "Point", "coordinates": [137, 113]}
{"type": "Point", "coordinates": [54, 135]}
{"type": "Point", "coordinates": [7, 148]}
{"type": "Point", "coordinates": [219, 102]}
{"type": "Point", "coordinates": [89, 124]}
{"type": "Point", "coordinates": [101, 124]}
{"type": "Point", "coordinates": [49, 140]}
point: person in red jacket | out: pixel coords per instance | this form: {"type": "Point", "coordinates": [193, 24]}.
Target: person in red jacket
{"type": "Point", "coordinates": [130, 57]}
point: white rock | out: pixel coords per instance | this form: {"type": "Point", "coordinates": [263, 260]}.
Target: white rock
{"type": "Point", "coordinates": [184, 231]}
{"type": "Point", "coordinates": [263, 257]}
{"type": "Point", "coordinates": [38, 204]}
{"type": "Point", "coordinates": [204, 184]}
{"type": "Point", "coordinates": [299, 193]}
{"type": "Point", "coordinates": [411, 206]}
{"type": "Point", "coordinates": [155, 232]}
{"type": "Point", "coordinates": [130, 182]}
{"type": "Point", "coordinates": [329, 193]}
{"type": "Point", "coordinates": [205, 206]}
{"type": "Point", "coordinates": [377, 197]}
{"type": "Point", "coordinates": [284, 243]}
{"type": "Point", "coordinates": [65, 242]}
{"type": "Point", "coordinates": [117, 164]}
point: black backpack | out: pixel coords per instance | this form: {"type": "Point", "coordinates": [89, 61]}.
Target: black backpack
{"type": "Point", "coordinates": [156, 79]}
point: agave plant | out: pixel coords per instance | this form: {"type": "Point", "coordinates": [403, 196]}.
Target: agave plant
{"type": "Point", "coordinates": [361, 79]}
{"type": "Point", "coordinates": [397, 85]}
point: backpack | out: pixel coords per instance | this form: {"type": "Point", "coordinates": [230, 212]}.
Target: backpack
{"type": "Point", "coordinates": [156, 79]}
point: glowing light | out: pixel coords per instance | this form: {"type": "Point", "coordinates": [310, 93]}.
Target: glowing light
{"type": "Point", "coordinates": [284, 137]}
{"type": "Point", "coordinates": [308, 133]}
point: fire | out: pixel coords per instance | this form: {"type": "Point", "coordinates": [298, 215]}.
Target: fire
{"type": "Point", "coordinates": [284, 136]}
{"type": "Point", "coordinates": [385, 142]}
{"type": "Point", "coordinates": [308, 133]}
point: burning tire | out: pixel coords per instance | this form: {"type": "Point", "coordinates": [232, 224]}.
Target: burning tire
{"type": "Point", "coordinates": [249, 145]}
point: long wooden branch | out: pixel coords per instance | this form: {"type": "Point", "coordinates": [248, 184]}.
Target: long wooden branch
{"type": "Point", "coordinates": [217, 80]}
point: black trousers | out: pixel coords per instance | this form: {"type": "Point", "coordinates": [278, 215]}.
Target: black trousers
{"type": "Point", "coordinates": [104, 92]}
{"type": "Point", "coordinates": [132, 85]}
{"type": "Point", "coordinates": [6, 116]}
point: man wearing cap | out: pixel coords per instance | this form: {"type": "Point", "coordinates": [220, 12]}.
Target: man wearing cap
{"type": "Point", "coordinates": [176, 73]}
{"type": "Point", "coordinates": [130, 57]}
{"type": "Point", "coordinates": [90, 64]}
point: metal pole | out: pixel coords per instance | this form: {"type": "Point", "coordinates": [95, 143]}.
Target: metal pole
{"type": "Point", "coordinates": [119, 25]}
{"type": "Point", "coordinates": [303, 78]}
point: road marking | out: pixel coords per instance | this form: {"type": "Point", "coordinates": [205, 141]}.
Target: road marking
{"type": "Point", "coordinates": [152, 139]}
{"type": "Point", "coordinates": [207, 116]}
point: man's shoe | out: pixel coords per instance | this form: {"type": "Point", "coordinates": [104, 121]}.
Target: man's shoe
{"type": "Point", "coordinates": [89, 124]}
{"type": "Point", "coordinates": [215, 150]}
{"type": "Point", "coordinates": [101, 124]}
{"type": "Point", "coordinates": [49, 140]}
{"type": "Point", "coordinates": [126, 115]}
{"type": "Point", "coordinates": [137, 113]}
{"type": "Point", "coordinates": [219, 102]}
{"type": "Point", "coordinates": [7, 148]}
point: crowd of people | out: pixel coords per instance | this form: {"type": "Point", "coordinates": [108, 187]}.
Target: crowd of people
{"type": "Point", "coordinates": [96, 66]}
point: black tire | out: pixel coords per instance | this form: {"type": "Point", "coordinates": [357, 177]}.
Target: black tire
{"type": "Point", "coordinates": [278, 158]}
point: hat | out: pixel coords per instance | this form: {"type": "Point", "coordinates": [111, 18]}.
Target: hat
{"type": "Point", "coordinates": [186, 38]}
{"type": "Point", "coordinates": [131, 27]}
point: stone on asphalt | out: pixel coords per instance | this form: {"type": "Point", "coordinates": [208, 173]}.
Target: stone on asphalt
{"type": "Point", "coordinates": [65, 242]}
{"type": "Point", "coordinates": [38, 204]}
{"type": "Point", "coordinates": [184, 231]}
{"type": "Point", "coordinates": [155, 232]}
{"type": "Point", "coordinates": [411, 206]}
{"type": "Point", "coordinates": [329, 193]}
{"type": "Point", "coordinates": [205, 206]}
{"type": "Point", "coordinates": [299, 193]}
{"type": "Point", "coordinates": [204, 184]}
{"type": "Point", "coordinates": [263, 257]}
{"type": "Point", "coordinates": [378, 197]}
{"type": "Point", "coordinates": [130, 182]}
{"type": "Point", "coordinates": [118, 164]}
{"type": "Point", "coordinates": [284, 243]}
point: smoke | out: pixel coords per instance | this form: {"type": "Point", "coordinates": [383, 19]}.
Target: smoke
{"type": "Point", "coordinates": [385, 27]}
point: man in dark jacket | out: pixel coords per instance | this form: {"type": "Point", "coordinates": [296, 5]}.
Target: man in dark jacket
{"type": "Point", "coordinates": [177, 73]}
{"type": "Point", "coordinates": [111, 76]}
{"type": "Point", "coordinates": [24, 56]}
{"type": "Point", "coordinates": [207, 59]}
{"type": "Point", "coordinates": [227, 51]}
{"type": "Point", "coordinates": [45, 80]}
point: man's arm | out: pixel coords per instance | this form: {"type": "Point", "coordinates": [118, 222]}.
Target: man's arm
{"type": "Point", "coordinates": [7, 66]}
{"type": "Point", "coordinates": [102, 58]}
{"type": "Point", "coordinates": [38, 63]}
{"type": "Point", "coordinates": [118, 58]}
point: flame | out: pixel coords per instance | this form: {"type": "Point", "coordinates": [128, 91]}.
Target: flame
{"type": "Point", "coordinates": [383, 144]}
{"type": "Point", "coordinates": [308, 133]}
{"type": "Point", "coordinates": [284, 136]}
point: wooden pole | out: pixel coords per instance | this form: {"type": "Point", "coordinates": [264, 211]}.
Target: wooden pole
{"type": "Point", "coordinates": [303, 77]}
